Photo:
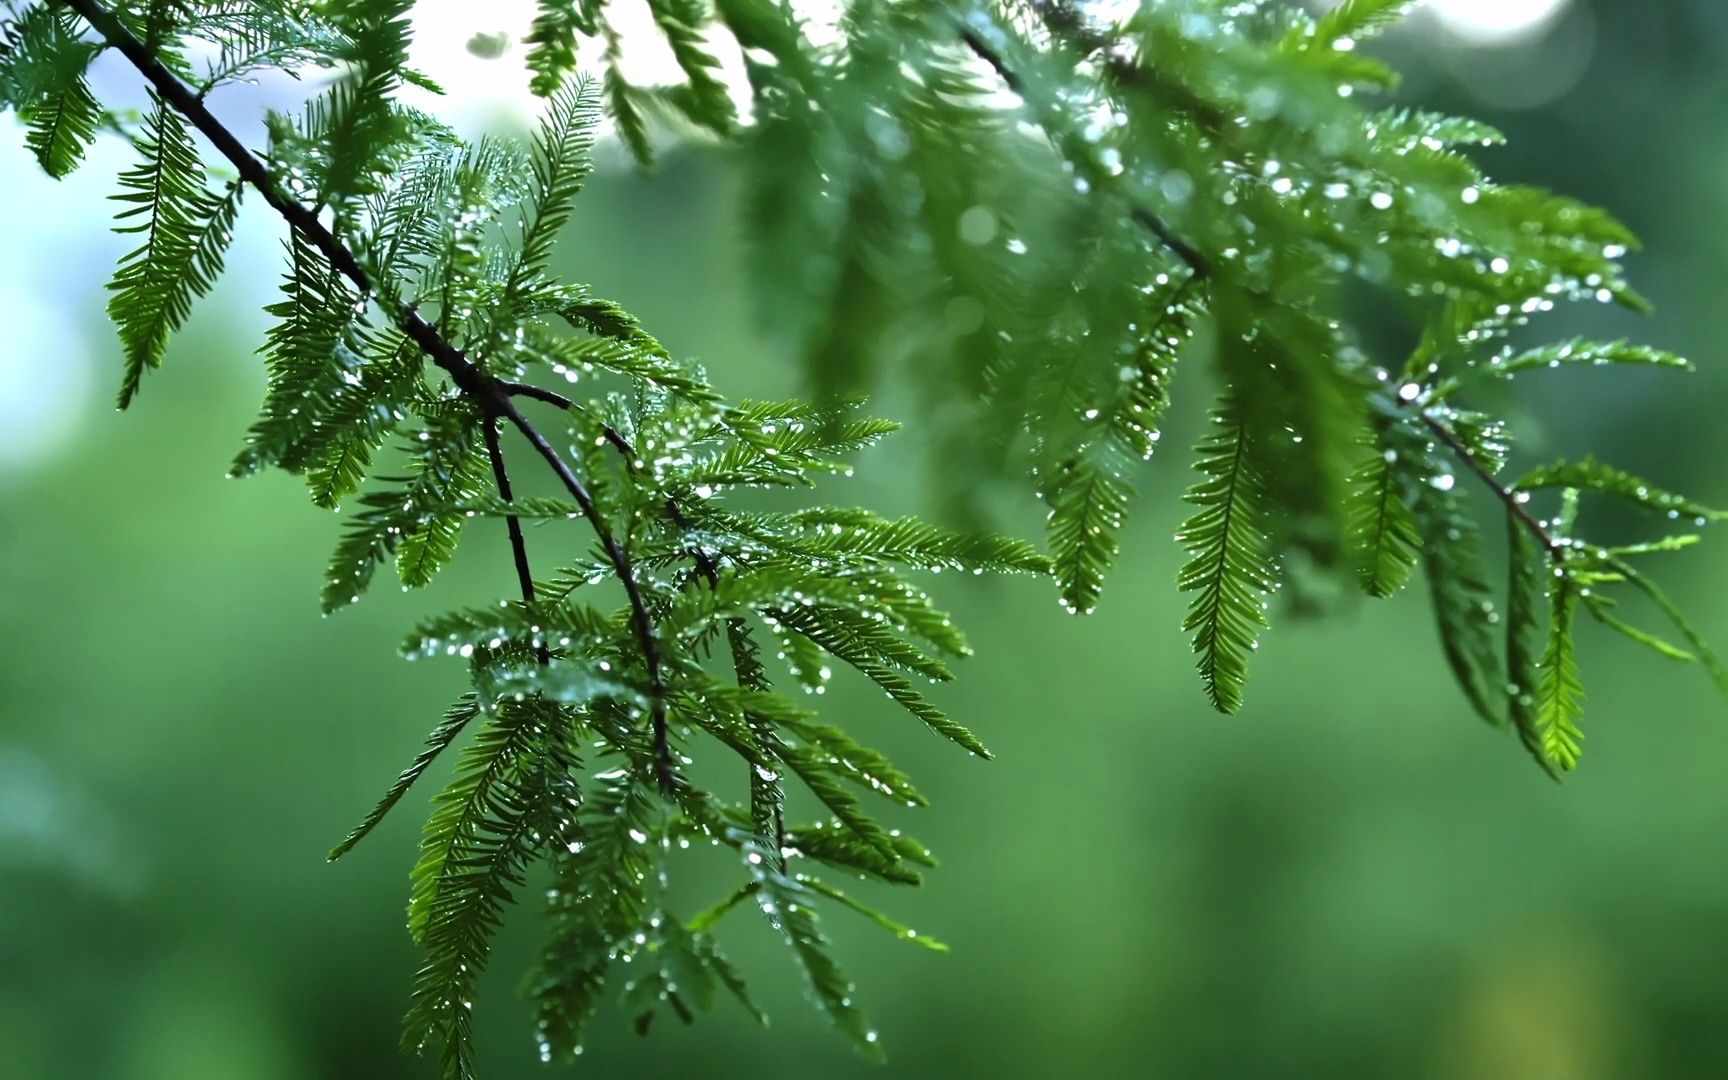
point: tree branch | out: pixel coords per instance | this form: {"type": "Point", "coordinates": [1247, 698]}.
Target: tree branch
{"type": "Point", "coordinates": [477, 385]}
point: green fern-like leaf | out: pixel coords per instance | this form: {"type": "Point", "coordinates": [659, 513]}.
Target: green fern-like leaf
{"type": "Point", "coordinates": [552, 40]}
{"type": "Point", "coordinates": [450, 471]}
{"type": "Point", "coordinates": [1464, 610]}
{"type": "Point", "coordinates": [561, 166]}
{"type": "Point", "coordinates": [899, 930]}
{"type": "Point", "coordinates": [455, 720]}
{"type": "Point", "coordinates": [598, 900]}
{"type": "Point", "coordinates": [1087, 484]}
{"type": "Point", "coordinates": [1677, 618]}
{"type": "Point", "coordinates": [308, 360]}
{"type": "Point", "coordinates": [788, 906]}
{"type": "Point", "coordinates": [1576, 352]}
{"type": "Point", "coordinates": [185, 229]}
{"type": "Point", "coordinates": [1382, 530]}
{"type": "Point", "coordinates": [365, 135]}
{"type": "Point", "coordinates": [361, 416]}
{"type": "Point", "coordinates": [1588, 474]}
{"type": "Point", "coordinates": [43, 59]}
{"type": "Point", "coordinates": [1559, 694]}
{"type": "Point", "coordinates": [1527, 567]}
{"type": "Point", "coordinates": [484, 830]}
{"type": "Point", "coordinates": [704, 98]}
{"type": "Point", "coordinates": [834, 533]}
{"type": "Point", "coordinates": [1358, 19]}
{"type": "Point", "coordinates": [61, 128]}
{"type": "Point", "coordinates": [624, 102]}
{"type": "Point", "coordinates": [1229, 570]}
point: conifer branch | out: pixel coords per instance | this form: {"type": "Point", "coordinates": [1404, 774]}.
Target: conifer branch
{"type": "Point", "coordinates": [476, 384]}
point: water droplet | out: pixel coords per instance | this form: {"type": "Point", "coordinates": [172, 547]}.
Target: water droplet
{"type": "Point", "coordinates": [977, 226]}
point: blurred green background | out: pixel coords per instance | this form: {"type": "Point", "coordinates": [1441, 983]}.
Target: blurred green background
{"type": "Point", "coordinates": [1352, 878]}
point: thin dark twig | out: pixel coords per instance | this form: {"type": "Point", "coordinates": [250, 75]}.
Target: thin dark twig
{"type": "Point", "coordinates": [468, 377]}
{"type": "Point", "coordinates": [1552, 544]}
{"type": "Point", "coordinates": [1063, 23]}
{"type": "Point", "coordinates": [513, 525]}
{"type": "Point", "coordinates": [615, 438]}
{"type": "Point", "coordinates": [705, 566]}
{"type": "Point", "coordinates": [538, 393]}
{"type": "Point", "coordinates": [1198, 263]}
{"type": "Point", "coordinates": [553, 397]}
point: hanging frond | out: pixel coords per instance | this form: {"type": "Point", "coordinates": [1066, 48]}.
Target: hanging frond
{"type": "Point", "coordinates": [1559, 695]}
{"type": "Point", "coordinates": [1229, 570]}
{"type": "Point", "coordinates": [363, 414]}
{"type": "Point", "coordinates": [1087, 486]}
{"type": "Point", "coordinates": [1458, 589]}
{"type": "Point", "coordinates": [625, 104]}
{"type": "Point", "coordinates": [361, 135]}
{"type": "Point", "coordinates": [598, 900]}
{"type": "Point", "coordinates": [185, 229]}
{"type": "Point", "coordinates": [552, 40]}
{"type": "Point", "coordinates": [459, 716]}
{"type": "Point", "coordinates": [561, 166]}
{"type": "Point", "coordinates": [1527, 567]}
{"type": "Point", "coordinates": [1382, 530]}
{"type": "Point", "coordinates": [789, 907]}
{"type": "Point", "coordinates": [43, 59]}
{"type": "Point", "coordinates": [703, 98]}
{"type": "Point", "coordinates": [450, 469]}
{"type": "Point", "coordinates": [308, 362]}
{"type": "Point", "coordinates": [485, 829]}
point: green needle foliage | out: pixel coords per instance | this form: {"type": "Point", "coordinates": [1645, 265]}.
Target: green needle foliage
{"type": "Point", "coordinates": [1035, 209]}
{"type": "Point", "coordinates": [416, 308]}
{"type": "Point", "coordinates": [1030, 206]}
{"type": "Point", "coordinates": [1231, 571]}
{"type": "Point", "coordinates": [185, 228]}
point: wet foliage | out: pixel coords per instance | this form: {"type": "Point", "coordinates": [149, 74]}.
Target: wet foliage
{"type": "Point", "coordinates": [1035, 210]}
